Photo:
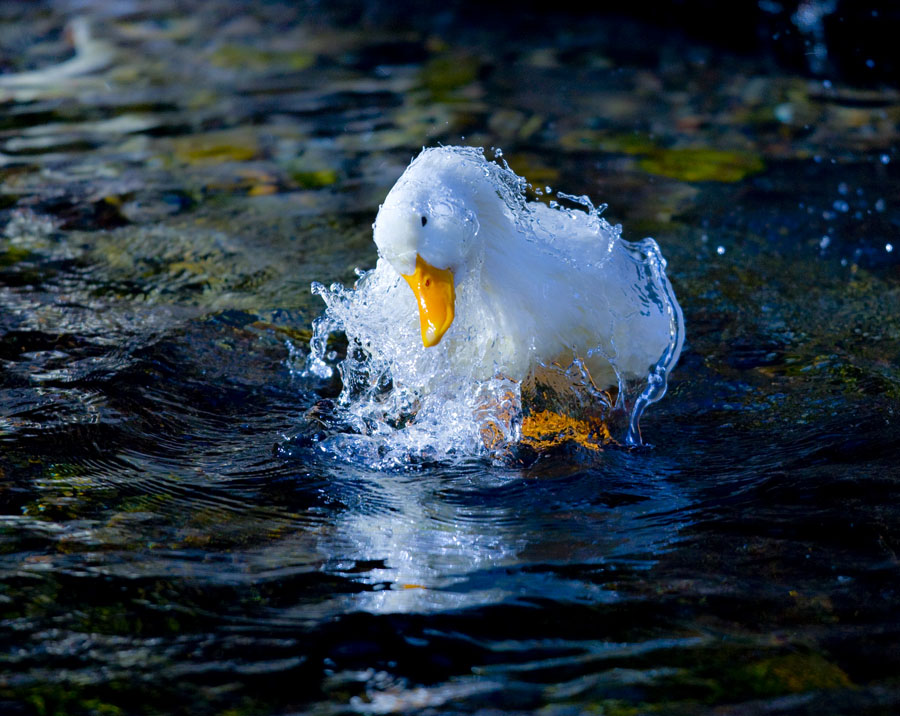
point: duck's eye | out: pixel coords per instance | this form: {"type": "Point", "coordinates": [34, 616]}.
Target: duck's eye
{"type": "Point", "coordinates": [424, 220]}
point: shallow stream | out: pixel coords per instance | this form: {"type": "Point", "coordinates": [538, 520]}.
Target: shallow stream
{"type": "Point", "coordinates": [174, 541]}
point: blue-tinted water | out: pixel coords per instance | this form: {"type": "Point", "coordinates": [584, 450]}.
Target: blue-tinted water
{"type": "Point", "coordinates": [174, 539]}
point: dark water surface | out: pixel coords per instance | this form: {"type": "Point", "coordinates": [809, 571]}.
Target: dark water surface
{"type": "Point", "coordinates": [171, 540]}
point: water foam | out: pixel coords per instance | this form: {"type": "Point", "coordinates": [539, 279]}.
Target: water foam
{"type": "Point", "coordinates": [471, 394]}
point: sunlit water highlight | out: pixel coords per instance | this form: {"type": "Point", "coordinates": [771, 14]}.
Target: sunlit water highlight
{"type": "Point", "coordinates": [554, 312]}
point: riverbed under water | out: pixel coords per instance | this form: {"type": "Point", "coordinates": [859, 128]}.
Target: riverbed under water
{"type": "Point", "coordinates": [172, 539]}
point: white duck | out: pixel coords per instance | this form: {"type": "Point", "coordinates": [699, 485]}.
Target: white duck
{"type": "Point", "coordinates": [506, 286]}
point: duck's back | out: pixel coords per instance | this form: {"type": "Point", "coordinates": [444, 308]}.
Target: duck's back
{"type": "Point", "coordinates": [615, 305]}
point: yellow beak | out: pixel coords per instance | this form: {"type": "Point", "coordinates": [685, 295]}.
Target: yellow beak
{"type": "Point", "coordinates": [435, 295]}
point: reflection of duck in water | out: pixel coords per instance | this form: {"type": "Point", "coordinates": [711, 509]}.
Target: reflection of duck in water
{"type": "Point", "coordinates": [504, 286]}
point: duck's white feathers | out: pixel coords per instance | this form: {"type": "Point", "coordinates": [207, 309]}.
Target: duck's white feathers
{"type": "Point", "coordinates": [534, 284]}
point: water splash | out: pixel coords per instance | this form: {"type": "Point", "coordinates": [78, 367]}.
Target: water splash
{"type": "Point", "coordinates": [657, 379]}
{"type": "Point", "coordinates": [588, 327]}
{"type": "Point", "coordinates": [387, 419]}
{"type": "Point", "coordinates": [810, 21]}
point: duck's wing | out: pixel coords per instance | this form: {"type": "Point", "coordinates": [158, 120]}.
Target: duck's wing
{"type": "Point", "coordinates": [622, 309]}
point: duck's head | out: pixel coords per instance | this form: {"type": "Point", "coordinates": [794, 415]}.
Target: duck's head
{"type": "Point", "coordinates": [427, 230]}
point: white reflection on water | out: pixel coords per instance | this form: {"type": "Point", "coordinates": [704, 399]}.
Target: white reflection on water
{"type": "Point", "coordinates": [428, 546]}
{"type": "Point", "coordinates": [437, 542]}
{"type": "Point", "coordinates": [433, 540]}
